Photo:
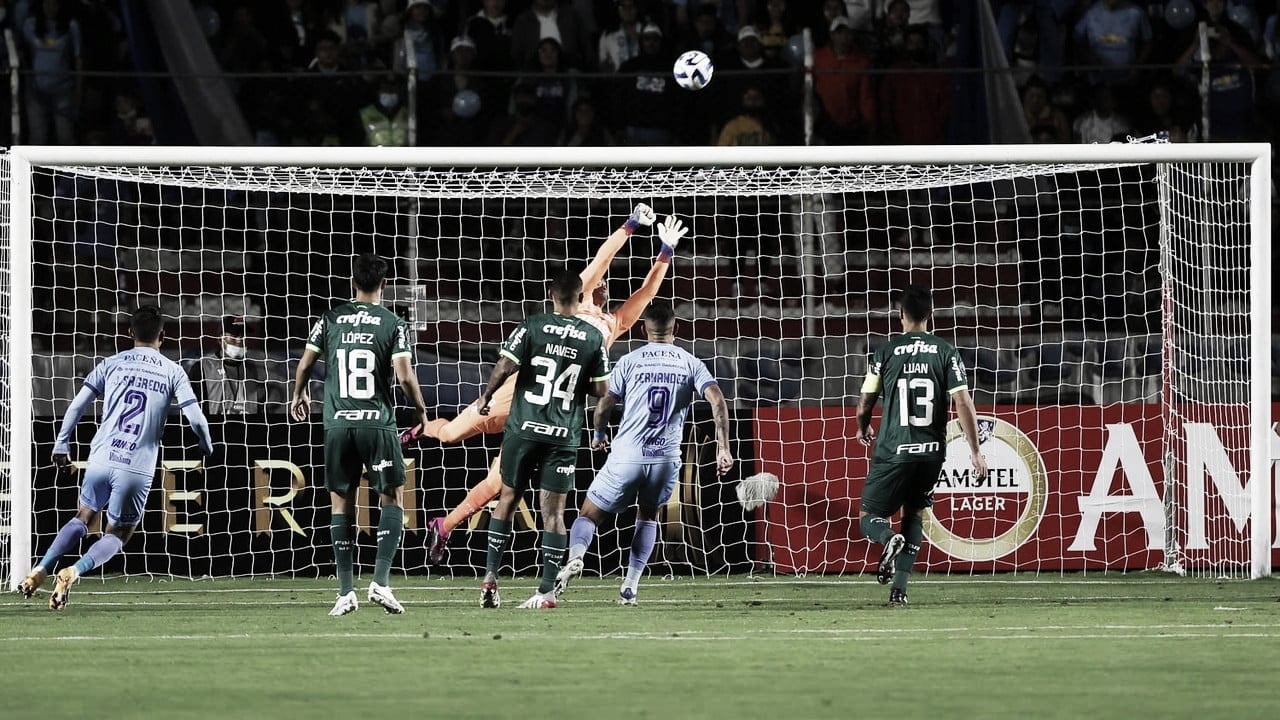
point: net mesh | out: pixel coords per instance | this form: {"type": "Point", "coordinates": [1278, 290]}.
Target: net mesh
{"type": "Point", "coordinates": [1102, 383]}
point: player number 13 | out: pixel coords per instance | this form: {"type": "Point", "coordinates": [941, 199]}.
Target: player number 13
{"type": "Point", "coordinates": [923, 410]}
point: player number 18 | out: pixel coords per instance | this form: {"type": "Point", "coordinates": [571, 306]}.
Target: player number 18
{"type": "Point", "coordinates": [355, 373]}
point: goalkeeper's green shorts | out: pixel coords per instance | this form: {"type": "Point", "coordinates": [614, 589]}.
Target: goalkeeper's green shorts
{"type": "Point", "coordinates": [905, 485]}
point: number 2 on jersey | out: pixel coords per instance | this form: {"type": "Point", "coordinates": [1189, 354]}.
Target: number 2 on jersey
{"type": "Point", "coordinates": [915, 408]}
{"type": "Point", "coordinates": [551, 386]}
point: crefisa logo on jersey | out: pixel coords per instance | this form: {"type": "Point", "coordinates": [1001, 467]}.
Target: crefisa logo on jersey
{"type": "Point", "coordinates": [986, 520]}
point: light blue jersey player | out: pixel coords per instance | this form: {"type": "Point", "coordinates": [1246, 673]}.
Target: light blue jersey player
{"type": "Point", "coordinates": [657, 383]}
{"type": "Point", "coordinates": [137, 387]}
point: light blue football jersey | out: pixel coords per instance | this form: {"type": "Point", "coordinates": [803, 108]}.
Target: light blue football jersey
{"type": "Point", "coordinates": [136, 387]}
{"type": "Point", "coordinates": [656, 383]}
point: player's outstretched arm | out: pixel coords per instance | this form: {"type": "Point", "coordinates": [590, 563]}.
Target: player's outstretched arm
{"type": "Point", "coordinates": [200, 426]}
{"type": "Point", "coordinates": [720, 414]}
{"type": "Point", "coordinates": [641, 216]}
{"type": "Point", "coordinates": [600, 421]}
{"type": "Point", "coordinates": [408, 380]}
{"type": "Point", "coordinates": [969, 425]}
{"type": "Point", "coordinates": [670, 233]}
{"type": "Point", "coordinates": [505, 368]}
{"type": "Point", "coordinates": [300, 403]}
{"type": "Point", "coordinates": [62, 446]}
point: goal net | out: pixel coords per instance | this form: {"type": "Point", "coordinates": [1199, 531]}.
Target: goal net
{"type": "Point", "coordinates": [1111, 303]}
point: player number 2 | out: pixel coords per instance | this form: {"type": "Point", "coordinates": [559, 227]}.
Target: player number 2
{"type": "Point", "coordinates": [355, 373]}
{"type": "Point", "coordinates": [551, 386]}
{"type": "Point", "coordinates": [923, 402]}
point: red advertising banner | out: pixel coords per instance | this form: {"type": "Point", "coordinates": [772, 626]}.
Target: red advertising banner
{"type": "Point", "coordinates": [1070, 487]}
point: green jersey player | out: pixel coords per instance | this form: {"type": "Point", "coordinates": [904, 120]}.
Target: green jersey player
{"type": "Point", "coordinates": [362, 343]}
{"type": "Point", "coordinates": [558, 359]}
{"type": "Point", "coordinates": [915, 371]}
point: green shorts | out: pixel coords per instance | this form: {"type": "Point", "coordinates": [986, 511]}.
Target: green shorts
{"type": "Point", "coordinates": [530, 462]}
{"type": "Point", "coordinates": [352, 452]}
{"type": "Point", "coordinates": [891, 486]}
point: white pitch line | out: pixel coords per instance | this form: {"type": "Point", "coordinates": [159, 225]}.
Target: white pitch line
{"type": "Point", "coordinates": [687, 636]}
{"type": "Point", "coordinates": [853, 582]}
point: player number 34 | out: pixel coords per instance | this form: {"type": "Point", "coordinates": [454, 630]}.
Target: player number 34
{"type": "Point", "coordinates": [560, 388]}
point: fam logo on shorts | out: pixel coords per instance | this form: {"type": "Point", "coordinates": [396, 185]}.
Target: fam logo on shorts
{"type": "Point", "coordinates": [985, 520]}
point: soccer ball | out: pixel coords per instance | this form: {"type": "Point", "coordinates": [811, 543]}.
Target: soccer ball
{"type": "Point", "coordinates": [693, 70]}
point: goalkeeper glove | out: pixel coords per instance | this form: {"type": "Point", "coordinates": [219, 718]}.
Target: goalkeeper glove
{"type": "Point", "coordinates": [642, 215]}
{"type": "Point", "coordinates": [670, 232]}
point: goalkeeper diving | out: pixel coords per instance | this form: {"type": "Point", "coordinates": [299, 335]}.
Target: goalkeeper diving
{"type": "Point", "coordinates": [593, 309]}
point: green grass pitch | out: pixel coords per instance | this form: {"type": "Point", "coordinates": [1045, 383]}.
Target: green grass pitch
{"type": "Point", "coordinates": [1114, 646]}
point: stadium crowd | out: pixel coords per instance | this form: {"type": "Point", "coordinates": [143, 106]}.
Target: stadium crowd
{"type": "Point", "coordinates": [597, 72]}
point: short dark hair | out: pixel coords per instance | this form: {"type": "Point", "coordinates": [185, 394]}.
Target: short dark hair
{"type": "Point", "coordinates": [661, 316]}
{"type": "Point", "coordinates": [916, 302]}
{"type": "Point", "coordinates": [566, 287]}
{"type": "Point", "coordinates": [147, 323]}
{"type": "Point", "coordinates": [368, 271]}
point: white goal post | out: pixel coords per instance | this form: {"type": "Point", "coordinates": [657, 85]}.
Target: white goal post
{"type": "Point", "coordinates": [1127, 390]}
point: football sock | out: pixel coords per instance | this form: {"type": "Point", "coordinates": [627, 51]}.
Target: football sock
{"type": "Point", "coordinates": [390, 530]}
{"type": "Point", "coordinates": [343, 553]}
{"type": "Point", "coordinates": [876, 528]}
{"type": "Point", "coordinates": [580, 535]}
{"type": "Point", "coordinates": [101, 551]}
{"type": "Point", "coordinates": [641, 548]}
{"type": "Point", "coordinates": [553, 549]}
{"type": "Point", "coordinates": [477, 498]}
{"type": "Point", "coordinates": [68, 537]}
{"type": "Point", "coordinates": [913, 532]}
{"type": "Point", "coordinates": [499, 539]}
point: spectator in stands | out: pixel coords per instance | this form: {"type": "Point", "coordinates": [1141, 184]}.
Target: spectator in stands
{"type": "Point", "coordinates": [647, 98]}
{"type": "Point", "coordinates": [558, 20]}
{"type": "Point", "coordinates": [245, 47]}
{"type": "Point", "coordinates": [227, 382]}
{"type": "Point", "coordinates": [730, 13]}
{"type": "Point", "coordinates": [729, 88]}
{"type": "Point", "coordinates": [490, 30]}
{"type": "Point", "coordinates": [128, 126]}
{"type": "Point", "coordinates": [419, 39]}
{"type": "Point", "coordinates": [291, 33]}
{"type": "Point", "coordinates": [776, 25]}
{"type": "Point", "coordinates": [451, 116]}
{"type": "Point", "coordinates": [316, 126]}
{"type": "Point", "coordinates": [1231, 83]}
{"type": "Point", "coordinates": [891, 32]}
{"type": "Point", "coordinates": [1117, 34]}
{"type": "Point", "coordinates": [585, 128]}
{"type": "Point", "coordinates": [619, 46]}
{"type": "Point", "coordinates": [1165, 112]}
{"type": "Point", "coordinates": [915, 105]}
{"type": "Point", "coordinates": [523, 126]}
{"type": "Point", "coordinates": [1040, 112]}
{"type": "Point", "coordinates": [556, 88]}
{"type": "Point", "coordinates": [706, 34]}
{"type": "Point", "coordinates": [820, 24]}
{"type": "Point", "coordinates": [53, 40]}
{"type": "Point", "coordinates": [845, 89]}
{"type": "Point", "coordinates": [385, 120]}
{"type": "Point", "coordinates": [342, 94]}
{"type": "Point", "coordinates": [1102, 123]}
{"type": "Point", "coordinates": [750, 126]}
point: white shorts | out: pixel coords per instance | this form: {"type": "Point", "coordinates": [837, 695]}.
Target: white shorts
{"type": "Point", "coordinates": [621, 483]}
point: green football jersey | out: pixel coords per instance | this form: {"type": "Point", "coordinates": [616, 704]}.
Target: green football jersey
{"type": "Point", "coordinates": [559, 357]}
{"type": "Point", "coordinates": [917, 373]}
{"type": "Point", "coordinates": [358, 341]}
